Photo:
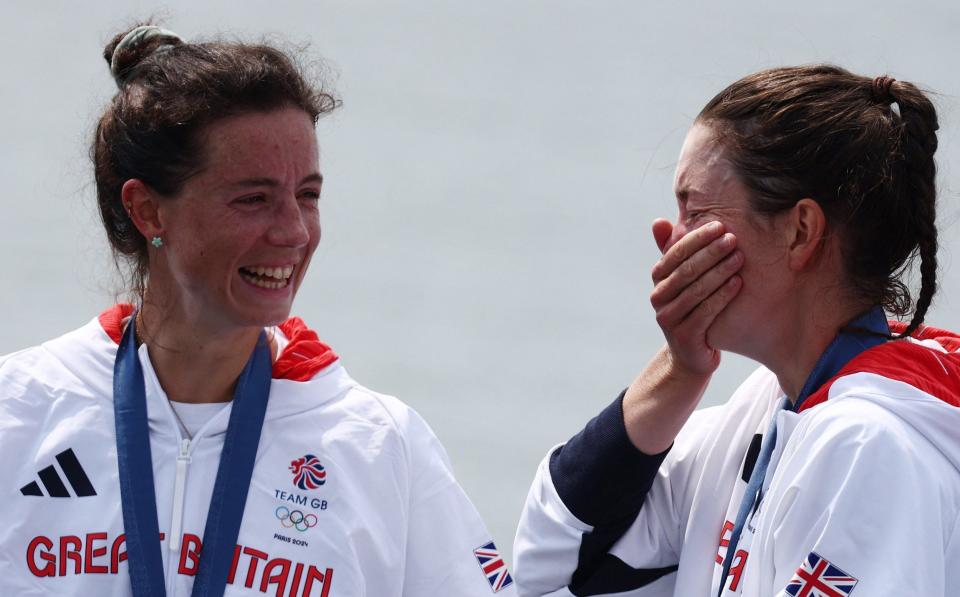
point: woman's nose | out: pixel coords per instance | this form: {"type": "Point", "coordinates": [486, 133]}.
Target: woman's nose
{"type": "Point", "coordinates": [679, 231]}
{"type": "Point", "coordinates": [666, 233]}
{"type": "Point", "coordinates": [289, 228]}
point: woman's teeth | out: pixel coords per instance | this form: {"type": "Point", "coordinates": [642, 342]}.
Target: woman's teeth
{"type": "Point", "coordinates": [280, 273]}
{"type": "Point", "coordinates": [267, 277]}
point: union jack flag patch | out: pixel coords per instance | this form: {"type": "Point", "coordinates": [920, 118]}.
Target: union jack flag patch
{"type": "Point", "coordinates": [817, 577]}
{"type": "Point", "coordinates": [493, 567]}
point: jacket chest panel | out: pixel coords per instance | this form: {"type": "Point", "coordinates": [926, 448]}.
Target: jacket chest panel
{"type": "Point", "coordinates": [315, 519]}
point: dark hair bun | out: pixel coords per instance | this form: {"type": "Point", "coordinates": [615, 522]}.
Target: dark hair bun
{"type": "Point", "coordinates": [128, 49]}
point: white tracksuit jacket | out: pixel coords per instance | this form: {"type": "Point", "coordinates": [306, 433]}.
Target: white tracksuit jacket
{"type": "Point", "coordinates": [862, 495]}
{"type": "Point", "coordinates": [388, 519]}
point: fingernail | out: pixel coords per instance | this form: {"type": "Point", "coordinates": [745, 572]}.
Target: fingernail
{"type": "Point", "coordinates": [714, 226]}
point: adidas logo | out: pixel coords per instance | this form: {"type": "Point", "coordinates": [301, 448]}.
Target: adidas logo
{"type": "Point", "coordinates": [54, 485]}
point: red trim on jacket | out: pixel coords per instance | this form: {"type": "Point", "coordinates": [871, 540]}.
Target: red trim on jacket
{"type": "Point", "coordinates": [113, 319]}
{"type": "Point", "coordinates": [302, 358]}
{"type": "Point", "coordinates": [924, 368]}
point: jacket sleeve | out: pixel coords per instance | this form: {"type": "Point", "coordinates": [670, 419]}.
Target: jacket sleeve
{"type": "Point", "coordinates": [449, 550]}
{"type": "Point", "coordinates": [858, 501]}
{"type": "Point", "coordinates": [602, 517]}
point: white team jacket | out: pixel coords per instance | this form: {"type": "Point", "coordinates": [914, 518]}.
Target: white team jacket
{"type": "Point", "coordinates": [377, 512]}
{"type": "Point", "coordinates": [862, 495]}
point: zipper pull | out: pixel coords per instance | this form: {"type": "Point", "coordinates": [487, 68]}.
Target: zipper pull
{"type": "Point", "coordinates": [179, 490]}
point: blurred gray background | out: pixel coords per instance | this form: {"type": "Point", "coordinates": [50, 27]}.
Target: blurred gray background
{"type": "Point", "coordinates": [490, 183]}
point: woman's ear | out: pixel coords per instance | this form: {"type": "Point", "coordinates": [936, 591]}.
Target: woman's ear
{"type": "Point", "coordinates": [805, 229]}
{"type": "Point", "coordinates": [142, 203]}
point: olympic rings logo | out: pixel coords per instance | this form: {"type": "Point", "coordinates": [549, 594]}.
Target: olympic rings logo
{"type": "Point", "coordinates": [295, 519]}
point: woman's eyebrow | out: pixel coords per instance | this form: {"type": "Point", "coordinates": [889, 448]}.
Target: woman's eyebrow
{"type": "Point", "coordinates": [266, 181]}
{"type": "Point", "coordinates": [686, 192]}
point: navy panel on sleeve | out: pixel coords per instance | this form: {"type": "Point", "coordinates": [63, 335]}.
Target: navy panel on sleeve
{"type": "Point", "coordinates": [601, 573]}
{"type": "Point", "coordinates": [599, 474]}
{"type": "Point", "coordinates": [603, 479]}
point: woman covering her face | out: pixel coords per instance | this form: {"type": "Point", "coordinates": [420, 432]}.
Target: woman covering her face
{"type": "Point", "coordinates": [803, 195]}
{"type": "Point", "coordinates": [203, 442]}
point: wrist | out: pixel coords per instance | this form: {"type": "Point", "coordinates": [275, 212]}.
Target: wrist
{"type": "Point", "coordinates": [679, 372]}
{"type": "Point", "coordinates": [659, 402]}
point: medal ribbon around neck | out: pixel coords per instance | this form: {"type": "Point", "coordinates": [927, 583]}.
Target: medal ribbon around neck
{"type": "Point", "coordinates": [137, 490]}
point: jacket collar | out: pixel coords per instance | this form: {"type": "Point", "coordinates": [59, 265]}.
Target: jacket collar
{"type": "Point", "coordinates": [306, 374]}
{"type": "Point", "coordinates": [301, 359]}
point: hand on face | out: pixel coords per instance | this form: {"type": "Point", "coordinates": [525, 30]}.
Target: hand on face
{"type": "Point", "coordinates": [693, 282]}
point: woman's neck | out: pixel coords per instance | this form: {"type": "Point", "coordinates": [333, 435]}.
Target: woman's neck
{"type": "Point", "coordinates": [798, 350]}
{"type": "Point", "coordinates": [194, 361]}
{"type": "Point", "coordinates": [808, 342]}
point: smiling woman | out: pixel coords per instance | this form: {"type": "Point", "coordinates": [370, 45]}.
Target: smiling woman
{"type": "Point", "coordinates": [210, 442]}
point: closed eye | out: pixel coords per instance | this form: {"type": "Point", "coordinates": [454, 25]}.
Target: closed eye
{"type": "Point", "coordinates": [250, 199]}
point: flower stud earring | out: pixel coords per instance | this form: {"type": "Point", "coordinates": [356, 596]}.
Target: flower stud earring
{"type": "Point", "coordinates": [157, 242]}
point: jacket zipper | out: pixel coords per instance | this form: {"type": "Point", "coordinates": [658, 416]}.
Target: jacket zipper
{"type": "Point", "coordinates": [176, 524]}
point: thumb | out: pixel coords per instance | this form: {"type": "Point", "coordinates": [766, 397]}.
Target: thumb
{"type": "Point", "coordinates": [662, 229]}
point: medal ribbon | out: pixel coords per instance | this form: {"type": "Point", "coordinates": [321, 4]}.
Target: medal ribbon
{"type": "Point", "coordinates": [137, 490]}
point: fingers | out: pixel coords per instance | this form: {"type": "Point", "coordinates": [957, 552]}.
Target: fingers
{"type": "Point", "coordinates": [684, 248]}
{"type": "Point", "coordinates": [688, 340]}
{"type": "Point", "coordinates": [676, 297]}
{"type": "Point", "coordinates": [692, 271]}
{"type": "Point", "coordinates": [706, 311]}
{"type": "Point", "coordinates": [694, 281]}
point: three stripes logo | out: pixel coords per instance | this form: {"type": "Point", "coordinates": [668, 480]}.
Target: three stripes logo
{"type": "Point", "coordinates": [52, 482]}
